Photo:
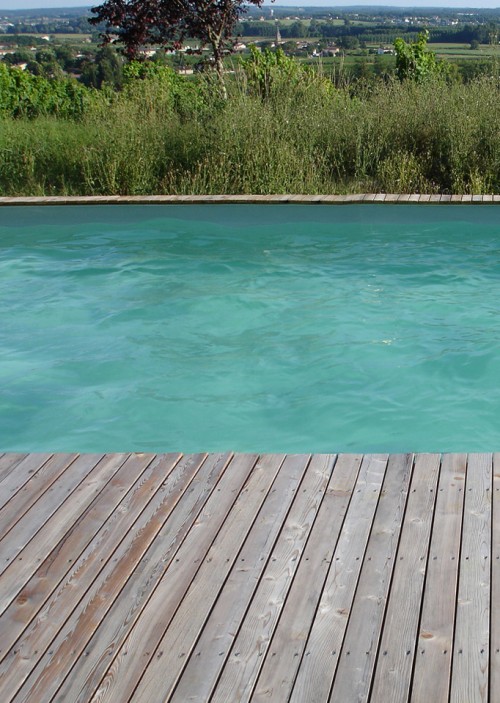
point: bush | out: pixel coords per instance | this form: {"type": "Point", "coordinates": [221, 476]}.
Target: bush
{"type": "Point", "coordinates": [25, 95]}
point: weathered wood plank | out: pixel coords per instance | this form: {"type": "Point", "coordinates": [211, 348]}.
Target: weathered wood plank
{"type": "Point", "coordinates": [23, 656]}
{"type": "Point", "coordinates": [8, 463]}
{"type": "Point", "coordinates": [27, 558]}
{"type": "Point", "coordinates": [67, 552]}
{"type": "Point", "coordinates": [283, 657]}
{"type": "Point", "coordinates": [15, 480]}
{"type": "Point", "coordinates": [495, 582]}
{"type": "Point", "coordinates": [88, 590]}
{"type": "Point", "coordinates": [160, 651]}
{"type": "Point", "coordinates": [28, 495]}
{"type": "Point", "coordinates": [469, 680]}
{"type": "Point", "coordinates": [252, 642]}
{"type": "Point", "coordinates": [319, 663]}
{"type": "Point", "coordinates": [130, 585]}
{"type": "Point", "coordinates": [432, 671]}
{"type": "Point", "coordinates": [355, 668]}
{"type": "Point", "coordinates": [397, 648]}
{"type": "Point", "coordinates": [180, 545]}
{"type": "Point", "coordinates": [209, 655]}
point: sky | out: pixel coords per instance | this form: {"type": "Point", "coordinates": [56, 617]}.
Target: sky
{"type": "Point", "coordinates": [28, 4]}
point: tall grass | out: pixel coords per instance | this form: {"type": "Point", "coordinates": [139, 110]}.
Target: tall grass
{"type": "Point", "coordinates": [303, 136]}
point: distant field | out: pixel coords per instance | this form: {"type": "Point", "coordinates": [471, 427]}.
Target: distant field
{"type": "Point", "coordinates": [463, 51]}
{"type": "Point", "coordinates": [55, 37]}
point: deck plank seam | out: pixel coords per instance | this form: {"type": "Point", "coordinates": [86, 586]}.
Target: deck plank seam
{"type": "Point", "coordinates": [413, 639]}
{"type": "Point", "coordinates": [424, 585]}
{"type": "Point", "coordinates": [269, 648]}
{"type": "Point", "coordinates": [493, 574]}
{"type": "Point", "coordinates": [12, 465]}
{"type": "Point", "coordinates": [155, 457]}
{"type": "Point", "coordinates": [221, 589]}
{"type": "Point", "coordinates": [64, 534]}
{"type": "Point", "coordinates": [290, 585]}
{"type": "Point", "coordinates": [263, 573]}
{"type": "Point", "coordinates": [426, 565]}
{"type": "Point", "coordinates": [468, 510]}
{"type": "Point", "coordinates": [72, 567]}
{"type": "Point", "coordinates": [453, 602]}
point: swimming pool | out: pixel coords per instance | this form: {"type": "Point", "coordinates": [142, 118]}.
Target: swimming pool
{"type": "Point", "coordinates": [253, 328]}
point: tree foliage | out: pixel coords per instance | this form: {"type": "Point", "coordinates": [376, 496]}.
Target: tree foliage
{"type": "Point", "coordinates": [137, 23]}
{"type": "Point", "coordinates": [271, 73]}
{"type": "Point", "coordinates": [25, 95]}
{"type": "Point", "coordinates": [415, 62]}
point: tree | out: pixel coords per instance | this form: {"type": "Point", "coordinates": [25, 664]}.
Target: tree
{"type": "Point", "coordinates": [136, 23]}
{"type": "Point", "coordinates": [105, 68]}
{"type": "Point", "coordinates": [415, 62]}
{"type": "Point", "coordinates": [348, 42]}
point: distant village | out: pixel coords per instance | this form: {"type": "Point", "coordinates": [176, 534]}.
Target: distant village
{"type": "Point", "coordinates": [63, 40]}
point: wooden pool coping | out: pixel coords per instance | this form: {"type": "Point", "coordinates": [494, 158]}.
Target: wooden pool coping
{"type": "Point", "coordinates": [373, 198]}
{"type": "Point", "coordinates": [238, 577]}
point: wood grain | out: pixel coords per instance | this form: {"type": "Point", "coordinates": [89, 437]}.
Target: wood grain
{"type": "Point", "coordinates": [210, 654]}
{"type": "Point", "coordinates": [25, 469]}
{"type": "Point", "coordinates": [319, 663]}
{"type": "Point", "coordinates": [180, 545]}
{"type": "Point", "coordinates": [32, 491]}
{"type": "Point", "coordinates": [161, 651]}
{"type": "Point", "coordinates": [355, 669]}
{"type": "Point", "coordinates": [148, 578]}
{"type": "Point", "coordinates": [8, 463]}
{"type": "Point", "coordinates": [397, 648]}
{"type": "Point", "coordinates": [98, 577]}
{"type": "Point", "coordinates": [284, 654]}
{"type": "Point", "coordinates": [494, 681]}
{"type": "Point", "coordinates": [67, 552]}
{"type": "Point", "coordinates": [472, 630]}
{"type": "Point", "coordinates": [25, 556]}
{"type": "Point", "coordinates": [432, 671]}
{"type": "Point", "coordinates": [252, 641]}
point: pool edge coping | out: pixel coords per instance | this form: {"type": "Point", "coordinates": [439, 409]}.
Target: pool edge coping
{"type": "Point", "coordinates": [357, 198]}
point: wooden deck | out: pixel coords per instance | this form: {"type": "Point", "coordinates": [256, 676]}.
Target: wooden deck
{"type": "Point", "coordinates": [243, 578]}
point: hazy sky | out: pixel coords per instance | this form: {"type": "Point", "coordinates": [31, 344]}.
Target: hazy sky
{"type": "Point", "coordinates": [23, 4]}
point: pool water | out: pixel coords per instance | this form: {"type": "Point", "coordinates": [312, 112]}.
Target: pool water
{"type": "Point", "coordinates": [252, 328]}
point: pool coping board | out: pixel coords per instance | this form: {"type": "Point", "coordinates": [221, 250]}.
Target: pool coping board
{"type": "Point", "coordinates": [358, 198]}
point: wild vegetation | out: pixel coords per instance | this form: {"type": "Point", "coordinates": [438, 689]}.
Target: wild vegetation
{"type": "Point", "coordinates": [284, 127]}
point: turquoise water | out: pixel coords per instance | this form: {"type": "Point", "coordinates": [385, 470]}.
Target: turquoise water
{"type": "Point", "coordinates": [276, 328]}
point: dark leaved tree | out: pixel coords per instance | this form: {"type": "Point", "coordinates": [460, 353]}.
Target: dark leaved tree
{"type": "Point", "coordinates": [137, 23]}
